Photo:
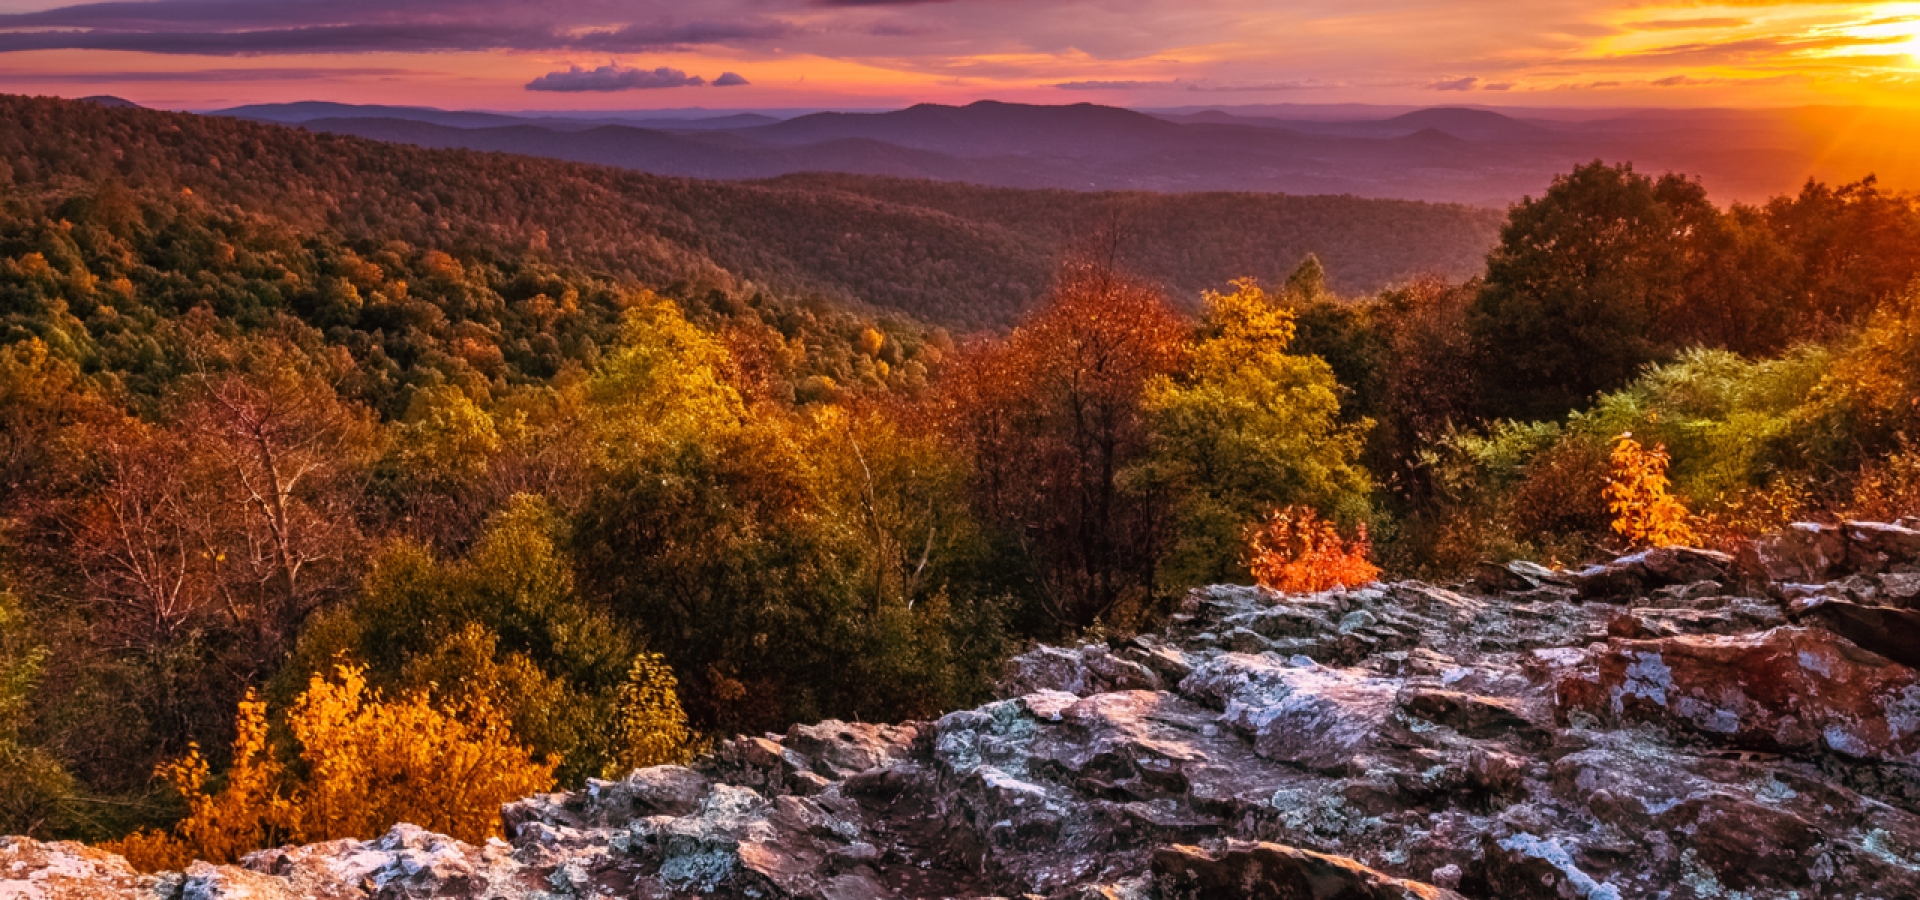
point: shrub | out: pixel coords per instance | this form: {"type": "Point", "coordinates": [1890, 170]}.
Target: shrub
{"type": "Point", "coordinates": [1294, 551]}
{"type": "Point", "coordinates": [366, 763]}
{"type": "Point", "coordinates": [1645, 513]}
{"type": "Point", "coordinates": [652, 730]}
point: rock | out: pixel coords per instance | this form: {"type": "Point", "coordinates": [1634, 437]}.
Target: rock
{"type": "Point", "coordinates": [1787, 690]}
{"type": "Point", "coordinates": [1312, 716]}
{"type": "Point", "coordinates": [1525, 867]}
{"type": "Point", "coordinates": [1874, 547]}
{"type": "Point", "coordinates": [1805, 553]}
{"type": "Point", "coordinates": [1261, 871]}
{"type": "Point", "coordinates": [1515, 577]}
{"type": "Point", "coordinates": [1638, 573]}
{"type": "Point", "coordinates": [1084, 670]}
{"type": "Point", "coordinates": [1892, 633]}
{"type": "Point", "coordinates": [63, 870]}
{"type": "Point", "coordinates": [838, 749]}
{"type": "Point", "coordinates": [1901, 590]}
{"type": "Point", "coordinates": [1469, 714]}
{"type": "Point", "coordinates": [1399, 740]}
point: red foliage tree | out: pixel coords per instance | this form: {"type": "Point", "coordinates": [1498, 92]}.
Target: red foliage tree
{"type": "Point", "coordinates": [1052, 418]}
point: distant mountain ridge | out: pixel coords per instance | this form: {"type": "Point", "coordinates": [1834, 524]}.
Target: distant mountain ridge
{"type": "Point", "coordinates": [1447, 154]}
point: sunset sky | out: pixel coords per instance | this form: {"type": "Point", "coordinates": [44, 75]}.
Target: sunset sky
{"type": "Point", "coordinates": [633, 54]}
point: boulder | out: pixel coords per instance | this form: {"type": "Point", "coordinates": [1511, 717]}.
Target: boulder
{"type": "Point", "coordinates": [1786, 690]}
{"type": "Point", "coordinates": [838, 749]}
{"type": "Point", "coordinates": [1308, 715]}
{"type": "Point", "coordinates": [1874, 547]}
{"type": "Point", "coordinates": [1892, 633]}
{"type": "Point", "coordinates": [1525, 867]}
{"type": "Point", "coordinates": [1638, 573]}
{"type": "Point", "coordinates": [64, 870]}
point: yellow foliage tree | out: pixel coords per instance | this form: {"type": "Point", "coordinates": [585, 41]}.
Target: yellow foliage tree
{"type": "Point", "coordinates": [373, 762]}
{"type": "Point", "coordinates": [652, 730]}
{"type": "Point", "coordinates": [1295, 551]}
{"type": "Point", "coordinates": [368, 763]}
{"type": "Point", "coordinates": [1644, 511]}
{"type": "Point", "coordinates": [219, 827]}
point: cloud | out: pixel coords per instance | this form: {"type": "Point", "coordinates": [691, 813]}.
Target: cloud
{"type": "Point", "coordinates": [198, 76]}
{"type": "Point", "coordinates": [1117, 85]}
{"type": "Point", "coordinates": [1454, 84]}
{"type": "Point", "coordinates": [615, 77]}
{"type": "Point", "coordinates": [730, 79]}
{"type": "Point", "coordinates": [1686, 24]}
{"type": "Point", "coordinates": [217, 28]}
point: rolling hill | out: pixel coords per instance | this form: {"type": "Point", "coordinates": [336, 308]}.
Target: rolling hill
{"type": "Point", "coordinates": [947, 254]}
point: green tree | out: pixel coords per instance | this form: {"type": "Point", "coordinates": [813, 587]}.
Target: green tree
{"type": "Point", "coordinates": [1580, 287]}
{"type": "Point", "coordinates": [505, 619]}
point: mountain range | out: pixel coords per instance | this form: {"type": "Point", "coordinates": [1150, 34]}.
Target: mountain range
{"type": "Point", "coordinates": [945, 253]}
{"type": "Point", "coordinates": [1448, 154]}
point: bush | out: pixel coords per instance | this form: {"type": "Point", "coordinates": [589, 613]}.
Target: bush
{"type": "Point", "coordinates": [1294, 551]}
{"type": "Point", "coordinates": [365, 763]}
{"type": "Point", "coordinates": [1645, 513]}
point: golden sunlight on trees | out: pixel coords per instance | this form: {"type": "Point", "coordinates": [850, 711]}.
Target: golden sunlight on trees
{"type": "Point", "coordinates": [1645, 513]}
{"type": "Point", "coordinates": [1295, 551]}
{"type": "Point", "coordinates": [365, 763]}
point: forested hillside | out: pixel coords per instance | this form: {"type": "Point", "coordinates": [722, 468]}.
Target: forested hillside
{"type": "Point", "coordinates": [323, 461]}
{"type": "Point", "coordinates": [967, 262]}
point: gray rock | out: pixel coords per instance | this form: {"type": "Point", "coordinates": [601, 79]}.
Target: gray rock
{"type": "Point", "coordinates": [1401, 740]}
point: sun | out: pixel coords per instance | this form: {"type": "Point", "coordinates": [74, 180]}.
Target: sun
{"type": "Point", "coordinates": [1894, 29]}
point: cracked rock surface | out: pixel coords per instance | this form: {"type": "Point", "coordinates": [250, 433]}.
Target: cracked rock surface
{"type": "Point", "coordinates": [1672, 725]}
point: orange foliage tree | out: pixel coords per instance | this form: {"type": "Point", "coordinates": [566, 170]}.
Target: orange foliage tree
{"type": "Point", "coordinates": [366, 762]}
{"type": "Point", "coordinates": [1295, 551]}
{"type": "Point", "coordinates": [1052, 417]}
{"type": "Point", "coordinates": [1637, 493]}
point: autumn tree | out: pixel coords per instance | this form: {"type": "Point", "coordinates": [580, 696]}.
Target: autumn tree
{"type": "Point", "coordinates": [1246, 428]}
{"type": "Point", "coordinates": [504, 619]}
{"type": "Point", "coordinates": [1293, 550]}
{"type": "Point", "coordinates": [652, 728]}
{"type": "Point", "coordinates": [1052, 417]}
{"type": "Point", "coordinates": [285, 453]}
{"type": "Point", "coordinates": [774, 554]}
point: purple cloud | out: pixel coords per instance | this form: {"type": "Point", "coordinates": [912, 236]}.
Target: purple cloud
{"type": "Point", "coordinates": [730, 79]}
{"type": "Point", "coordinates": [614, 77]}
{"type": "Point", "coordinates": [229, 28]}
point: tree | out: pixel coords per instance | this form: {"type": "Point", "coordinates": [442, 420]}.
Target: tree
{"type": "Point", "coordinates": [286, 454]}
{"type": "Point", "coordinates": [504, 620]}
{"type": "Point", "coordinates": [1579, 292]}
{"type": "Point", "coordinates": [652, 729]}
{"type": "Point", "coordinates": [1052, 417]}
{"type": "Point", "coordinates": [35, 789]}
{"type": "Point", "coordinates": [1247, 428]}
{"type": "Point", "coordinates": [1295, 551]}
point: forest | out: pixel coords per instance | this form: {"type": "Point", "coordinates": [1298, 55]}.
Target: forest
{"type": "Point", "coordinates": [328, 465]}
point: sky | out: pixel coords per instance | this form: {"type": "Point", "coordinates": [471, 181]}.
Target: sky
{"type": "Point", "coordinates": [742, 54]}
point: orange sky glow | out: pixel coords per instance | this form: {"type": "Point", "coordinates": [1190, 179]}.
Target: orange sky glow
{"type": "Point", "coordinates": [484, 54]}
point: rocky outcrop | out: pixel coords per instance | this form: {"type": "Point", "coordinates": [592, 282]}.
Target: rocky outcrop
{"type": "Point", "coordinates": [1662, 726]}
